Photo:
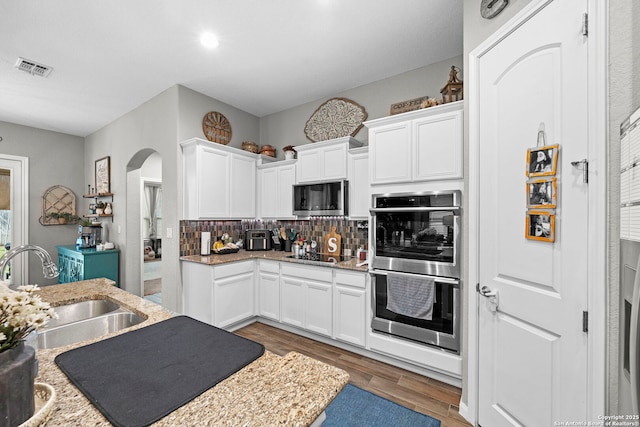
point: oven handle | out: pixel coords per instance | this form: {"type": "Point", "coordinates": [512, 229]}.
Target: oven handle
{"type": "Point", "coordinates": [454, 282]}
{"type": "Point", "coordinates": [455, 209]}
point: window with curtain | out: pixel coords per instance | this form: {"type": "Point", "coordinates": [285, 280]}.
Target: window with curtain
{"type": "Point", "coordinates": [153, 211]}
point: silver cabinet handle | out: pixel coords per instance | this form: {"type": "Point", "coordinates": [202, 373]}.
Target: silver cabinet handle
{"type": "Point", "coordinates": [492, 296]}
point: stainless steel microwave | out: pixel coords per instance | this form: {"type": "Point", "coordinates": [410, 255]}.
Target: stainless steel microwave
{"type": "Point", "coordinates": [325, 198]}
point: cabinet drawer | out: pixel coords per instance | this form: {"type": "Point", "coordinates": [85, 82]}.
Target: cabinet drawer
{"type": "Point", "coordinates": [269, 266]}
{"type": "Point", "coordinates": [233, 269]}
{"type": "Point", "coordinates": [357, 280]}
{"type": "Point", "coordinates": [308, 272]}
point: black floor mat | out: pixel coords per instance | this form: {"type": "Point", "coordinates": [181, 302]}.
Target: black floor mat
{"type": "Point", "coordinates": [136, 378]}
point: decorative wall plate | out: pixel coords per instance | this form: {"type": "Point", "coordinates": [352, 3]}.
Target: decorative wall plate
{"type": "Point", "coordinates": [216, 127]}
{"type": "Point", "coordinates": [336, 118]}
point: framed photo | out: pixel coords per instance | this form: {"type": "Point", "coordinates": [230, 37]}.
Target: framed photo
{"type": "Point", "coordinates": [541, 225]}
{"type": "Point", "coordinates": [542, 193]}
{"type": "Point", "coordinates": [103, 175]}
{"type": "Point", "coordinates": [542, 161]}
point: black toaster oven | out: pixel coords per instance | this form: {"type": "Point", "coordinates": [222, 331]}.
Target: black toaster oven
{"type": "Point", "coordinates": [257, 240]}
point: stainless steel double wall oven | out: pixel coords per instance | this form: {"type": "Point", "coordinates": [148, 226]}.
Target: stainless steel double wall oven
{"type": "Point", "coordinates": [415, 267]}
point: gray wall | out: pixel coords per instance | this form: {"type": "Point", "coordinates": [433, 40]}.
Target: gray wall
{"type": "Point", "coordinates": [287, 127]}
{"type": "Point", "coordinates": [624, 97]}
{"type": "Point", "coordinates": [158, 125]}
{"type": "Point", "coordinates": [129, 140]}
{"type": "Point", "coordinates": [192, 106]}
{"type": "Point", "coordinates": [54, 159]}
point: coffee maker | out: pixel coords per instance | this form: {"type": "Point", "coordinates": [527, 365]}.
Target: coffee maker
{"type": "Point", "coordinates": [89, 236]}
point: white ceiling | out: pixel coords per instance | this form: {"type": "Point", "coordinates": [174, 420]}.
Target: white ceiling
{"type": "Point", "coordinates": [108, 57]}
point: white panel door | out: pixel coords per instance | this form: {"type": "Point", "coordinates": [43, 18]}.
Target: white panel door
{"type": "Point", "coordinates": [532, 350]}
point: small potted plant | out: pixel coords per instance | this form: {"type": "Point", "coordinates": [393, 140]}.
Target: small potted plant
{"type": "Point", "coordinates": [67, 217]}
{"type": "Point", "coordinates": [54, 216]}
{"type": "Point", "coordinates": [100, 208]}
{"type": "Point", "coordinates": [289, 152]}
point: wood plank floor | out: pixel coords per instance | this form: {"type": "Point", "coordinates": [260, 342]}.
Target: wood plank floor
{"type": "Point", "coordinates": [422, 394]}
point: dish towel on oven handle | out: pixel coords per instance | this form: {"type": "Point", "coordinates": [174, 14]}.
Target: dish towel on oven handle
{"type": "Point", "coordinates": [411, 296]}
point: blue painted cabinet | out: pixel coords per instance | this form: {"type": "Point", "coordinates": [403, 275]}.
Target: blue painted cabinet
{"type": "Point", "coordinates": [83, 264]}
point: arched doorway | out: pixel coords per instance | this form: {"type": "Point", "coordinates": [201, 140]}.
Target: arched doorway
{"type": "Point", "coordinates": [144, 167]}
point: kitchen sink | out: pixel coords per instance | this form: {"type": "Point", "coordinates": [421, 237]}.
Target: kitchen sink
{"type": "Point", "coordinates": [77, 311]}
{"type": "Point", "coordinates": [82, 322]}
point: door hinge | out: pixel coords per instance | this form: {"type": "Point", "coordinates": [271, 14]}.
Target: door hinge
{"type": "Point", "coordinates": [585, 321]}
{"type": "Point", "coordinates": [585, 24]}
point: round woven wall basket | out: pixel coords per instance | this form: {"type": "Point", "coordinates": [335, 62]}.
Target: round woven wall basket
{"type": "Point", "coordinates": [216, 127]}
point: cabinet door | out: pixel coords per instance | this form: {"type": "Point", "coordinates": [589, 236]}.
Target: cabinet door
{"type": "Point", "coordinates": [197, 291]}
{"type": "Point", "coordinates": [286, 180]}
{"type": "Point", "coordinates": [233, 299]}
{"type": "Point", "coordinates": [390, 153]}
{"type": "Point", "coordinates": [309, 166]}
{"type": "Point", "coordinates": [318, 307]}
{"type": "Point", "coordinates": [350, 315]}
{"type": "Point", "coordinates": [438, 147]}
{"type": "Point", "coordinates": [101, 264]}
{"type": "Point", "coordinates": [359, 192]}
{"type": "Point", "coordinates": [293, 301]}
{"type": "Point", "coordinates": [268, 178]}
{"type": "Point", "coordinates": [269, 295]}
{"type": "Point", "coordinates": [242, 187]}
{"type": "Point", "coordinates": [213, 183]}
{"type": "Point", "coordinates": [334, 162]}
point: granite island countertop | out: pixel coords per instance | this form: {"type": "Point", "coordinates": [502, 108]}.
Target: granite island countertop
{"type": "Point", "coordinates": [290, 390]}
{"type": "Point", "coordinates": [242, 255]}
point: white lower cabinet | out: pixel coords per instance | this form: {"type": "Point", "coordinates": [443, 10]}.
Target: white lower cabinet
{"type": "Point", "coordinates": [350, 308]}
{"type": "Point", "coordinates": [233, 293]}
{"type": "Point", "coordinates": [306, 297]}
{"type": "Point", "coordinates": [269, 289]}
{"type": "Point", "coordinates": [197, 291]}
{"type": "Point", "coordinates": [293, 301]}
{"type": "Point", "coordinates": [331, 302]}
{"type": "Point", "coordinates": [220, 295]}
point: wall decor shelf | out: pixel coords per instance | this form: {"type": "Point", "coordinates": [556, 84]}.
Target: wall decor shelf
{"type": "Point", "coordinates": [96, 197]}
{"type": "Point", "coordinates": [57, 200]}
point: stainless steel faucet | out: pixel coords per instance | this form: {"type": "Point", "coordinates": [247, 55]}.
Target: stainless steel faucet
{"type": "Point", "coordinates": [49, 269]}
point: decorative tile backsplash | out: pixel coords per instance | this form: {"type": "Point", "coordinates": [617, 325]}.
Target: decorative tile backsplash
{"type": "Point", "coordinates": [354, 233]}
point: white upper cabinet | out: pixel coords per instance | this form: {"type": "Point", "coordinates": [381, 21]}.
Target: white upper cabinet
{"type": "Point", "coordinates": [421, 145]}
{"type": "Point", "coordinates": [359, 194]}
{"type": "Point", "coordinates": [219, 181]}
{"type": "Point", "coordinates": [243, 187]}
{"type": "Point", "coordinates": [325, 160]}
{"type": "Point", "coordinates": [275, 189]}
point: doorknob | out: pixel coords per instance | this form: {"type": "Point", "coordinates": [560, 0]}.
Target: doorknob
{"type": "Point", "coordinates": [492, 296]}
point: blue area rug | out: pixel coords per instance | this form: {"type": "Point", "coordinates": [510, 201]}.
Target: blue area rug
{"type": "Point", "coordinates": [355, 407]}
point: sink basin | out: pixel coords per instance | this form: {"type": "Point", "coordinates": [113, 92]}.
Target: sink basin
{"type": "Point", "coordinates": [85, 320]}
{"type": "Point", "coordinates": [81, 310]}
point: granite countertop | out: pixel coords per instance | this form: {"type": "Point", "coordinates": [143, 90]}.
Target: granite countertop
{"type": "Point", "coordinates": [291, 390]}
{"type": "Point", "coordinates": [272, 255]}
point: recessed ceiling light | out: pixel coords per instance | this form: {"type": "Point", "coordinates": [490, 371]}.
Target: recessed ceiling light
{"type": "Point", "coordinates": [209, 40]}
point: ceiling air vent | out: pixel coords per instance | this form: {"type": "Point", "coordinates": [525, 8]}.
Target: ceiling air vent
{"type": "Point", "coordinates": [33, 67]}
